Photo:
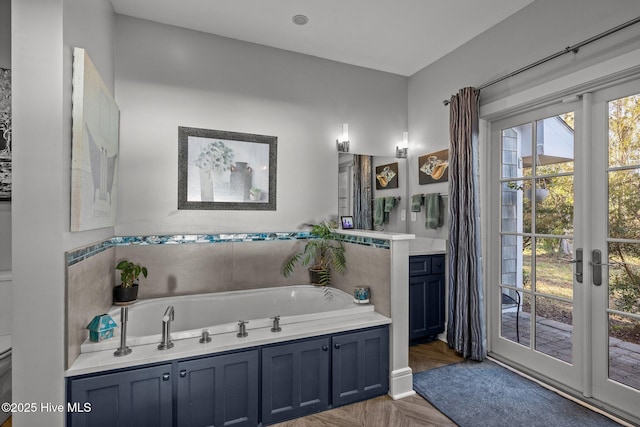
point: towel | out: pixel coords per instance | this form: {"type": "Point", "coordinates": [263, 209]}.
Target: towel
{"type": "Point", "coordinates": [378, 211]}
{"type": "Point", "coordinates": [389, 203]}
{"type": "Point", "coordinates": [433, 211]}
{"type": "Point", "coordinates": [416, 202]}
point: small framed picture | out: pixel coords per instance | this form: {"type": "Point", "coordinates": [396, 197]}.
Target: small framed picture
{"type": "Point", "coordinates": [347, 222]}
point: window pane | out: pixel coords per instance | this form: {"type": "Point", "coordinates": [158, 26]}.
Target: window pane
{"type": "Point", "coordinates": [624, 131]}
{"type": "Point", "coordinates": [624, 350]}
{"type": "Point", "coordinates": [553, 276]}
{"type": "Point", "coordinates": [516, 261]}
{"type": "Point", "coordinates": [516, 151]}
{"type": "Point", "coordinates": [624, 278]}
{"type": "Point", "coordinates": [554, 145]}
{"type": "Point", "coordinates": [554, 328]}
{"type": "Point", "coordinates": [624, 204]}
{"type": "Point", "coordinates": [554, 205]}
{"type": "Point", "coordinates": [513, 322]}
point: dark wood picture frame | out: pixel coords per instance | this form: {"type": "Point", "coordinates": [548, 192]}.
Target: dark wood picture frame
{"type": "Point", "coordinates": [222, 170]}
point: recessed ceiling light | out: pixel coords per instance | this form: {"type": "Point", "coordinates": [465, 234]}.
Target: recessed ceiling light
{"type": "Point", "coordinates": [300, 20]}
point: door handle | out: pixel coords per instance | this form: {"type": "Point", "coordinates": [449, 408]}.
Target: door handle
{"type": "Point", "coordinates": [596, 263]}
{"type": "Point", "coordinates": [578, 262]}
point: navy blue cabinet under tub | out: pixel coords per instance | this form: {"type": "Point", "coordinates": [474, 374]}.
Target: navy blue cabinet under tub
{"type": "Point", "coordinates": [248, 387]}
{"type": "Point", "coordinates": [139, 397]}
{"type": "Point", "coordinates": [295, 379]}
{"type": "Point", "coordinates": [360, 363]}
{"type": "Point", "coordinates": [218, 390]}
{"type": "Point", "coordinates": [426, 296]}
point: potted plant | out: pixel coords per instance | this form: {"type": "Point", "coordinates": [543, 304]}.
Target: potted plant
{"type": "Point", "coordinates": [322, 253]}
{"type": "Point", "coordinates": [127, 291]}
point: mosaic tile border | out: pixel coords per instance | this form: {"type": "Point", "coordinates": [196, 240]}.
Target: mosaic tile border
{"type": "Point", "coordinates": [73, 257]}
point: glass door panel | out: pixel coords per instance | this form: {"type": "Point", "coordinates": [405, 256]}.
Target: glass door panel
{"type": "Point", "coordinates": [623, 240]}
{"type": "Point", "coordinates": [536, 289]}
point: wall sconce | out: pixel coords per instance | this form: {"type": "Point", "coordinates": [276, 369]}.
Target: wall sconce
{"type": "Point", "coordinates": [343, 141]}
{"type": "Point", "coordinates": [401, 151]}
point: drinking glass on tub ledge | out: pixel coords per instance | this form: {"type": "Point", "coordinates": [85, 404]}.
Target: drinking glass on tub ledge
{"type": "Point", "coordinates": [361, 295]}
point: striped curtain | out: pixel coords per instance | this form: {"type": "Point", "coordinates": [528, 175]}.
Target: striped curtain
{"type": "Point", "coordinates": [465, 326]}
{"type": "Point", "coordinates": [362, 216]}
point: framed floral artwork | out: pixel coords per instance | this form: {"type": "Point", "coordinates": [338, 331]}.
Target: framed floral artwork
{"type": "Point", "coordinates": [226, 170]}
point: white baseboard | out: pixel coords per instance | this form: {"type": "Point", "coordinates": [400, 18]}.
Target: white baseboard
{"type": "Point", "coordinates": [401, 383]}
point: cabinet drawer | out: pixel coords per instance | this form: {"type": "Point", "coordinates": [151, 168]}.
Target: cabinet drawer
{"type": "Point", "coordinates": [421, 265]}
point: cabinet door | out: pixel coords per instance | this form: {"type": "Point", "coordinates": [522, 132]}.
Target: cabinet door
{"type": "Point", "coordinates": [295, 379]}
{"type": "Point", "coordinates": [426, 306]}
{"type": "Point", "coordinates": [139, 397]}
{"type": "Point", "coordinates": [360, 363]}
{"type": "Point", "coordinates": [219, 390]}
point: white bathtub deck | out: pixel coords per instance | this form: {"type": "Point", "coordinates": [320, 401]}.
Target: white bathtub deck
{"type": "Point", "coordinates": [99, 361]}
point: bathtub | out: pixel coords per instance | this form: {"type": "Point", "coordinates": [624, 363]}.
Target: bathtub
{"type": "Point", "coordinates": [220, 312]}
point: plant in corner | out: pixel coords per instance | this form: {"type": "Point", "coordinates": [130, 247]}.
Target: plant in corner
{"type": "Point", "coordinates": [127, 291]}
{"type": "Point", "coordinates": [322, 253]}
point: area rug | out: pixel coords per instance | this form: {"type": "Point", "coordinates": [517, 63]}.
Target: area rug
{"type": "Point", "coordinates": [485, 394]}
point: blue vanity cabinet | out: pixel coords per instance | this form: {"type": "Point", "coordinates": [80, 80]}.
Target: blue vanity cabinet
{"type": "Point", "coordinates": [426, 296]}
{"type": "Point", "coordinates": [219, 390]}
{"type": "Point", "coordinates": [360, 363]}
{"type": "Point", "coordinates": [140, 397]}
{"type": "Point", "coordinates": [295, 379]}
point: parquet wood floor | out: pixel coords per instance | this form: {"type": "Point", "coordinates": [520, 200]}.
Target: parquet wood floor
{"type": "Point", "coordinates": [383, 411]}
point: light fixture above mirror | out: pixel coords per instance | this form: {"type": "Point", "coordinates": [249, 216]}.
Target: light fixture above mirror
{"type": "Point", "coordinates": [403, 148]}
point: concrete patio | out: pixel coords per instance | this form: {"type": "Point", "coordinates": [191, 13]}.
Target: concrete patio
{"type": "Point", "coordinates": [554, 339]}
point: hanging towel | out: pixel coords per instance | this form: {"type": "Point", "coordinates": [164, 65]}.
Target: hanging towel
{"type": "Point", "coordinates": [378, 211]}
{"type": "Point", "coordinates": [389, 203]}
{"type": "Point", "coordinates": [433, 212]}
{"type": "Point", "coordinates": [416, 202]}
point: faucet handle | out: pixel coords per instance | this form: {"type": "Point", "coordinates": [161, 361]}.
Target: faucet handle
{"type": "Point", "coordinates": [276, 324]}
{"type": "Point", "coordinates": [242, 328]}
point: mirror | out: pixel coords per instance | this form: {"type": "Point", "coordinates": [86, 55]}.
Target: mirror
{"type": "Point", "coordinates": [373, 190]}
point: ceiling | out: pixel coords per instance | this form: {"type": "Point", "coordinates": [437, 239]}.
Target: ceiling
{"type": "Point", "coordinates": [396, 36]}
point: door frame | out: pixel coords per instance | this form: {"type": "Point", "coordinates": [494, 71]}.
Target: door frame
{"type": "Point", "coordinates": [550, 368]}
{"type": "Point", "coordinates": [610, 72]}
{"type": "Point", "coordinates": [603, 387]}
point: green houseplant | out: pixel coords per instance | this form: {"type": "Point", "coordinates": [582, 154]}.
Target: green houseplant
{"type": "Point", "coordinates": [321, 253]}
{"type": "Point", "coordinates": [127, 291]}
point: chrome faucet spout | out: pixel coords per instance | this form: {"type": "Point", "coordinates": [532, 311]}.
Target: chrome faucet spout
{"type": "Point", "coordinates": [168, 314]}
{"type": "Point", "coordinates": [168, 317]}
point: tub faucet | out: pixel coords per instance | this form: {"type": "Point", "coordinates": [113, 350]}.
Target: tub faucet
{"type": "Point", "coordinates": [242, 328]}
{"type": "Point", "coordinates": [276, 324]}
{"type": "Point", "coordinates": [168, 317]}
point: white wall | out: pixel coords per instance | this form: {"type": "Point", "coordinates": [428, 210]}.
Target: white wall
{"type": "Point", "coordinates": [542, 28]}
{"type": "Point", "coordinates": [168, 77]}
{"type": "Point", "coordinates": [44, 32]}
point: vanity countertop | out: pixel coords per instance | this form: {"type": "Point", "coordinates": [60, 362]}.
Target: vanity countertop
{"type": "Point", "coordinates": [427, 246]}
{"type": "Point", "coordinates": [384, 235]}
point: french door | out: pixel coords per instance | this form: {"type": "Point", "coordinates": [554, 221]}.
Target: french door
{"type": "Point", "coordinates": [564, 293]}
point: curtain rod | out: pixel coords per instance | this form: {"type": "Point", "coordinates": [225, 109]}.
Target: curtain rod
{"type": "Point", "coordinates": [566, 50]}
